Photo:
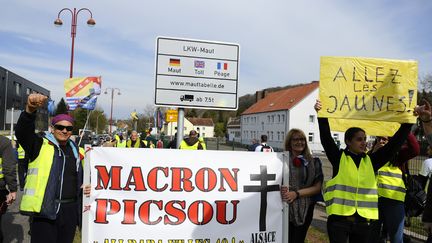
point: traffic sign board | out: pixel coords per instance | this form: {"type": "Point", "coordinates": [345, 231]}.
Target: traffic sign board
{"type": "Point", "coordinates": [171, 116]}
{"type": "Point", "coordinates": [196, 74]}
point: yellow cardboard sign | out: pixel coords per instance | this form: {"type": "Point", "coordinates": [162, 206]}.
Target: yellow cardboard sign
{"type": "Point", "coordinates": [171, 116]}
{"type": "Point", "coordinates": [368, 89]}
{"type": "Point", "coordinates": [372, 128]}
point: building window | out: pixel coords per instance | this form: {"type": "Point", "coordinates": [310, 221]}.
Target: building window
{"type": "Point", "coordinates": [28, 91]}
{"type": "Point", "coordinates": [311, 137]}
{"type": "Point", "coordinates": [272, 118]}
{"type": "Point", "coordinates": [203, 128]}
{"type": "Point", "coordinates": [279, 119]}
{"type": "Point", "coordinates": [271, 136]}
{"type": "Point", "coordinates": [278, 134]}
{"type": "Point", "coordinates": [311, 118]}
{"type": "Point", "coordinates": [262, 125]}
{"type": "Point", "coordinates": [283, 118]}
{"type": "Point", "coordinates": [268, 119]}
{"type": "Point", "coordinates": [203, 135]}
{"type": "Point", "coordinates": [18, 89]}
{"type": "Point", "coordinates": [283, 136]}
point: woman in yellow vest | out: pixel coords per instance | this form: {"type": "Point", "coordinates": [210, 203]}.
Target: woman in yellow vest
{"type": "Point", "coordinates": [391, 189]}
{"type": "Point", "coordinates": [351, 196]}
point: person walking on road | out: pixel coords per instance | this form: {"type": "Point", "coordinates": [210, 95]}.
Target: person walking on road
{"type": "Point", "coordinates": [263, 146]}
{"type": "Point", "coordinates": [22, 165]}
{"type": "Point", "coordinates": [8, 181]}
{"type": "Point", "coordinates": [52, 193]}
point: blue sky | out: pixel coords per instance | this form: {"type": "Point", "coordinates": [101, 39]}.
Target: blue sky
{"type": "Point", "coordinates": [281, 41]}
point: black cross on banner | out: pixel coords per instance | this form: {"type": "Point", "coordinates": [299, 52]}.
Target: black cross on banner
{"type": "Point", "coordinates": [263, 188]}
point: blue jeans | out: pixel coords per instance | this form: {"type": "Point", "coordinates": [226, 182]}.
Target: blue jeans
{"type": "Point", "coordinates": [392, 215]}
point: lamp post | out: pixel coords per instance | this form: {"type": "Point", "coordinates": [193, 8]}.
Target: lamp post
{"type": "Point", "coordinates": [112, 101]}
{"type": "Point", "coordinates": [90, 22]}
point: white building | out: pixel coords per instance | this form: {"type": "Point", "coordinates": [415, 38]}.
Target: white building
{"type": "Point", "coordinates": [275, 113]}
{"type": "Point", "coordinates": [234, 129]}
{"type": "Point", "coordinates": [204, 126]}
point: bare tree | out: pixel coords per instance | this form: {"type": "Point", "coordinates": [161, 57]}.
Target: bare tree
{"type": "Point", "coordinates": [425, 83]}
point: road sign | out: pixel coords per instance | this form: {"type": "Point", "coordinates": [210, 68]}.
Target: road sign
{"type": "Point", "coordinates": [171, 116]}
{"type": "Point", "coordinates": [196, 74]}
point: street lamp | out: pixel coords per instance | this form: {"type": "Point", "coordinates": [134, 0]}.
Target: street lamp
{"type": "Point", "coordinates": [112, 101]}
{"type": "Point", "coordinates": [90, 22]}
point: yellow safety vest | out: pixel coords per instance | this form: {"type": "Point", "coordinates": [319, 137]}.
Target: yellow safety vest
{"type": "Point", "coordinates": [137, 143]}
{"type": "Point", "coordinates": [120, 144]}
{"type": "Point", "coordinates": [184, 145]}
{"type": "Point", "coordinates": [201, 140]}
{"type": "Point", "coordinates": [390, 182]}
{"type": "Point", "coordinates": [352, 189]}
{"type": "Point", "coordinates": [21, 152]}
{"type": "Point", "coordinates": [37, 179]}
{"type": "Point", "coordinates": [1, 169]}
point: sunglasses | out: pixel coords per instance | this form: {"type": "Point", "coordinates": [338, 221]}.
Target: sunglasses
{"type": "Point", "coordinates": [61, 127]}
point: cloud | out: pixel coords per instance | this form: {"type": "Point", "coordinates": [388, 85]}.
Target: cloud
{"type": "Point", "coordinates": [281, 41]}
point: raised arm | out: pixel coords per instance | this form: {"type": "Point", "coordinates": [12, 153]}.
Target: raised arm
{"type": "Point", "coordinates": [25, 128]}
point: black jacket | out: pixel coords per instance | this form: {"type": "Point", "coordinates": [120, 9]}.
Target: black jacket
{"type": "Point", "coordinates": [9, 161]}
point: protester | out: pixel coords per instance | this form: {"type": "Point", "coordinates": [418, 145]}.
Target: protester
{"type": "Point", "coordinates": [135, 141]}
{"type": "Point", "coordinates": [263, 146]}
{"type": "Point", "coordinates": [52, 193]}
{"type": "Point", "coordinates": [253, 146]}
{"type": "Point", "coordinates": [425, 115]}
{"type": "Point", "coordinates": [120, 140]}
{"type": "Point", "coordinates": [191, 142]}
{"type": "Point", "coordinates": [202, 142]}
{"type": "Point", "coordinates": [151, 141]}
{"type": "Point", "coordinates": [173, 143]}
{"type": "Point", "coordinates": [391, 189]}
{"type": "Point", "coordinates": [22, 165]}
{"type": "Point", "coordinates": [305, 180]}
{"type": "Point", "coordinates": [8, 182]}
{"type": "Point", "coordinates": [426, 169]}
{"type": "Point", "coordinates": [352, 216]}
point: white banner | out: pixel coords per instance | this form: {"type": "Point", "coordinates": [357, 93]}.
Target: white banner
{"type": "Point", "coordinates": [183, 196]}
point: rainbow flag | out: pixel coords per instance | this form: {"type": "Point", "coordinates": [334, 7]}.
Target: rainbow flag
{"type": "Point", "coordinates": [82, 92]}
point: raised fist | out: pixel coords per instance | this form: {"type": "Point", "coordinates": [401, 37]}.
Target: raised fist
{"type": "Point", "coordinates": [35, 101]}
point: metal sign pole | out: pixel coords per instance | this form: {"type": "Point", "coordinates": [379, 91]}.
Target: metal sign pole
{"type": "Point", "coordinates": [12, 124]}
{"type": "Point", "coordinates": [180, 126]}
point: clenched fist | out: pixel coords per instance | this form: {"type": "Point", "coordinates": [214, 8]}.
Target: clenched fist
{"type": "Point", "coordinates": [35, 101]}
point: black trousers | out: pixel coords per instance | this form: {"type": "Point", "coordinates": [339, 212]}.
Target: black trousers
{"type": "Point", "coordinates": [60, 230]}
{"type": "Point", "coordinates": [297, 234]}
{"type": "Point", "coordinates": [352, 229]}
{"type": "Point", "coordinates": [3, 194]}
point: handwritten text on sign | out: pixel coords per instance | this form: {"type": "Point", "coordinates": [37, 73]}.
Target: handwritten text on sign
{"type": "Point", "coordinates": [368, 88]}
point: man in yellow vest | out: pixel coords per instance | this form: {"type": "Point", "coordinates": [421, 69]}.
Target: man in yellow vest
{"type": "Point", "coordinates": [191, 142]}
{"type": "Point", "coordinates": [8, 183]}
{"type": "Point", "coordinates": [52, 192]}
{"type": "Point", "coordinates": [135, 141]}
{"type": "Point", "coordinates": [22, 165]}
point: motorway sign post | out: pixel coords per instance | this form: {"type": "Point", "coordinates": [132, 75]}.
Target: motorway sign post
{"type": "Point", "coordinates": [196, 74]}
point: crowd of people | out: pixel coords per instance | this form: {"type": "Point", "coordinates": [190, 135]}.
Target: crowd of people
{"type": "Point", "coordinates": [364, 199]}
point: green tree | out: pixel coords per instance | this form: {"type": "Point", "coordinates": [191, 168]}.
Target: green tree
{"type": "Point", "coordinates": [219, 129]}
{"type": "Point", "coordinates": [61, 107]}
{"type": "Point", "coordinates": [80, 117]}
